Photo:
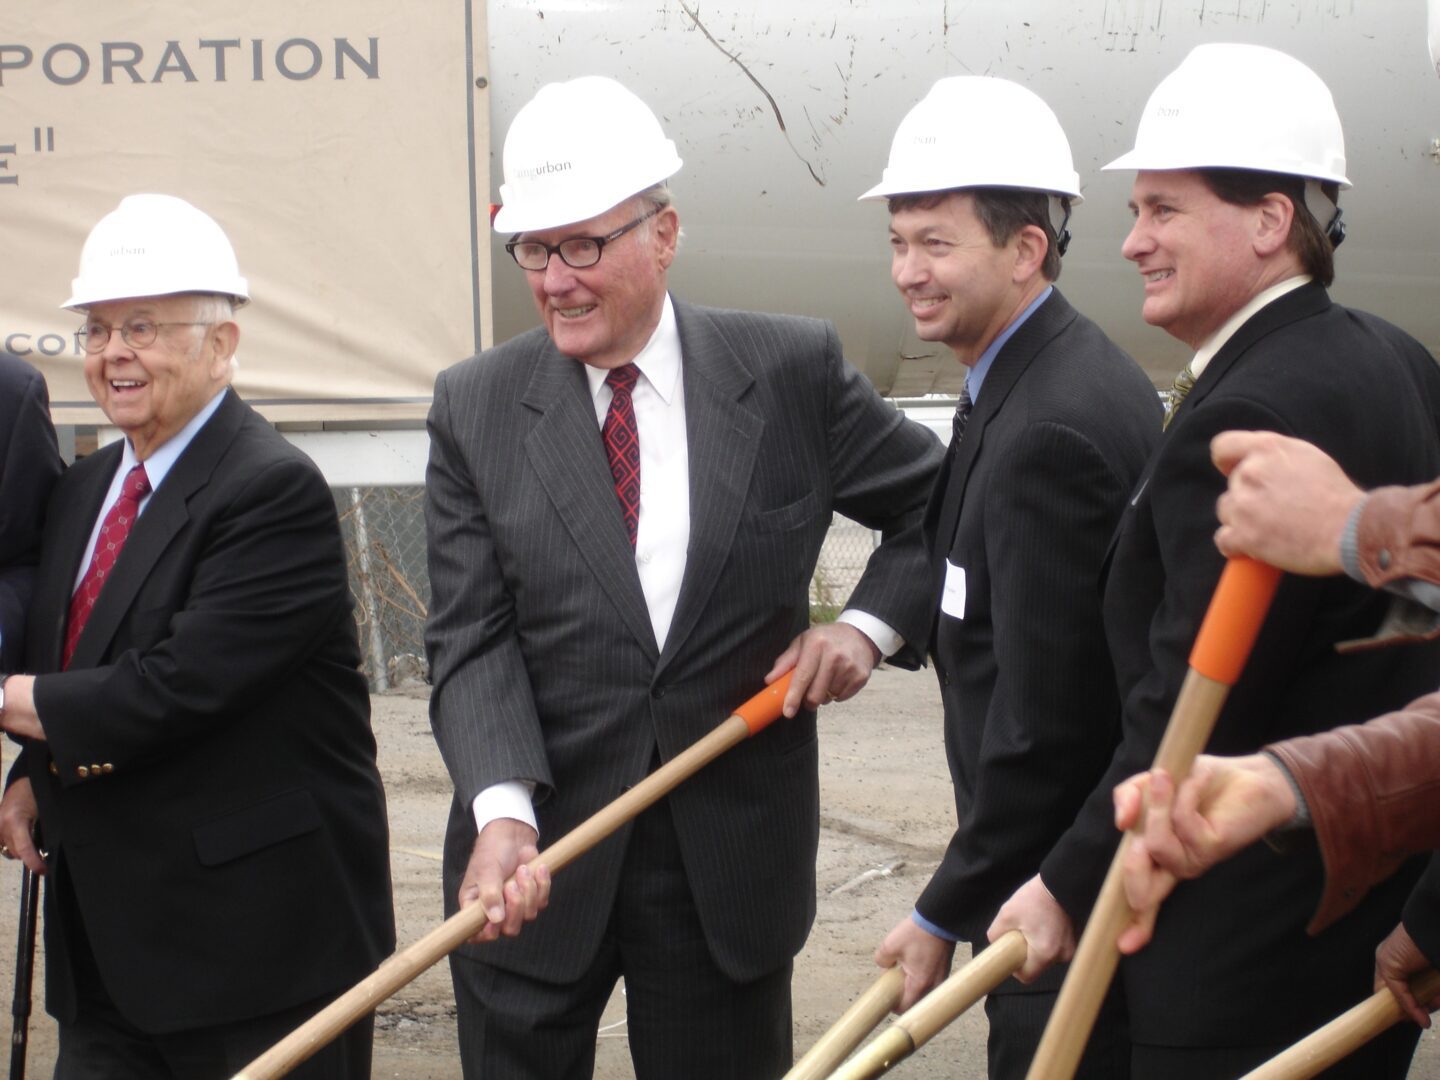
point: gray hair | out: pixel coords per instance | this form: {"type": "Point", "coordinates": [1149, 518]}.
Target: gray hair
{"type": "Point", "coordinates": [659, 198]}
{"type": "Point", "coordinates": [208, 310]}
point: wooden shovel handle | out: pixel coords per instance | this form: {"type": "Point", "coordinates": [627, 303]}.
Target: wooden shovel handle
{"type": "Point", "coordinates": [1345, 1034]}
{"type": "Point", "coordinates": [1231, 624]}
{"type": "Point", "coordinates": [929, 1016]}
{"type": "Point", "coordinates": [404, 966]}
{"type": "Point", "coordinates": [850, 1030]}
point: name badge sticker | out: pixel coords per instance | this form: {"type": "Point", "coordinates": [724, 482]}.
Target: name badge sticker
{"type": "Point", "coordinates": [952, 598]}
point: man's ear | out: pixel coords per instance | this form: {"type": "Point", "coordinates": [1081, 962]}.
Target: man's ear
{"type": "Point", "coordinates": [1274, 215]}
{"type": "Point", "coordinates": [224, 340]}
{"type": "Point", "coordinates": [1031, 247]}
{"type": "Point", "coordinates": [667, 235]}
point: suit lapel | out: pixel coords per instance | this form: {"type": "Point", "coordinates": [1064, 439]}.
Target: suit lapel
{"type": "Point", "coordinates": [565, 449]}
{"type": "Point", "coordinates": [72, 517]}
{"type": "Point", "coordinates": [723, 437]}
{"type": "Point", "coordinates": [164, 516]}
{"type": "Point", "coordinates": [1304, 302]}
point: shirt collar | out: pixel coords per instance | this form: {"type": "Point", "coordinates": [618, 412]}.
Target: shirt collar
{"type": "Point", "coordinates": [1217, 340]}
{"type": "Point", "coordinates": [658, 361]}
{"type": "Point", "coordinates": [982, 366]}
{"type": "Point", "coordinates": [159, 463]}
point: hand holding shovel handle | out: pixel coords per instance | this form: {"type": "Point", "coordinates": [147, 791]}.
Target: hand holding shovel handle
{"type": "Point", "coordinates": [749, 719]}
{"type": "Point", "coordinates": [1226, 636]}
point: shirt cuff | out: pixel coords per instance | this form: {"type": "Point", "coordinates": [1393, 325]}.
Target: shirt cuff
{"type": "Point", "coordinates": [930, 928]}
{"type": "Point", "coordinates": [1301, 818]}
{"type": "Point", "coordinates": [881, 634]}
{"type": "Point", "coordinates": [1350, 544]}
{"type": "Point", "coordinates": [507, 799]}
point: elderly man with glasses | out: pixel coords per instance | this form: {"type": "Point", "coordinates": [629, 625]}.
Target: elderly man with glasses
{"type": "Point", "coordinates": [624, 510]}
{"type": "Point", "coordinates": [197, 744]}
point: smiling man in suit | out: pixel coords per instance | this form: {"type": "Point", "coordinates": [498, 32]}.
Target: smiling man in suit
{"type": "Point", "coordinates": [598, 606]}
{"type": "Point", "coordinates": [1051, 432]}
{"type": "Point", "coordinates": [1239, 161]}
{"type": "Point", "coordinates": [197, 739]}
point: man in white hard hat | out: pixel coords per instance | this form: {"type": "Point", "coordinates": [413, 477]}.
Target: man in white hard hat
{"type": "Point", "coordinates": [29, 466]}
{"type": "Point", "coordinates": [1052, 429]}
{"type": "Point", "coordinates": [598, 606]}
{"type": "Point", "coordinates": [197, 745]}
{"type": "Point", "coordinates": [1240, 159]}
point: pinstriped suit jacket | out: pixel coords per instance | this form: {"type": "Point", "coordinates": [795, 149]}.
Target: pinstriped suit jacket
{"type": "Point", "coordinates": [544, 663]}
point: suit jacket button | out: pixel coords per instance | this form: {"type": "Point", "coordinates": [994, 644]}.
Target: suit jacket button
{"type": "Point", "coordinates": [54, 769]}
{"type": "Point", "coordinates": [657, 692]}
{"type": "Point", "coordinates": [83, 771]}
{"type": "Point", "coordinates": [107, 768]}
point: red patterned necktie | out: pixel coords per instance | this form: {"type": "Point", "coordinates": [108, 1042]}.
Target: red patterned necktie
{"type": "Point", "coordinates": [113, 532]}
{"type": "Point", "coordinates": [622, 444]}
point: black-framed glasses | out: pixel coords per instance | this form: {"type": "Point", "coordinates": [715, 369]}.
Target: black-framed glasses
{"type": "Point", "coordinates": [137, 333]}
{"type": "Point", "coordinates": [578, 252]}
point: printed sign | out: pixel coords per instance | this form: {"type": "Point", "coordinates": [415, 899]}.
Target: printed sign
{"type": "Point", "coordinates": [340, 146]}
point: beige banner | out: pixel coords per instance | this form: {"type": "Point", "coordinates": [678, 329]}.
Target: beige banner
{"type": "Point", "coordinates": [338, 143]}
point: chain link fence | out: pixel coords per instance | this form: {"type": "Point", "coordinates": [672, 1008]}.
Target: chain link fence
{"type": "Point", "coordinates": [384, 531]}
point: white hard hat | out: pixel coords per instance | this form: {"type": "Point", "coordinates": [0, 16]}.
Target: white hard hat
{"type": "Point", "coordinates": [575, 150]}
{"type": "Point", "coordinates": [1241, 107]}
{"type": "Point", "coordinates": [977, 131]}
{"type": "Point", "coordinates": [155, 245]}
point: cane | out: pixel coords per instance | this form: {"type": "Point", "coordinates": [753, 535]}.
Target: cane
{"type": "Point", "coordinates": [1227, 633]}
{"type": "Point", "coordinates": [1345, 1034]}
{"type": "Point", "coordinates": [24, 971]}
{"type": "Point", "coordinates": [923, 1021]}
{"type": "Point", "coordinates": [749, 719]}
{"type": "Point", "coordinates": [850, 1030]}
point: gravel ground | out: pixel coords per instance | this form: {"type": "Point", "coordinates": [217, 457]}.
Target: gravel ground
{"type": "Point", "coordinates": [886, 816]}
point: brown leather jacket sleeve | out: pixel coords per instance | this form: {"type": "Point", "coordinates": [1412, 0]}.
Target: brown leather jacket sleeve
{"type": "Point", "coordinates": [1374, 796]}
{"type": "Point", "coordinates": [1398, 534]}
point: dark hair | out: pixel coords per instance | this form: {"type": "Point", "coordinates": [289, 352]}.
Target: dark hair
{"type": "Point", "coordinates": [1003, 212]}
{"type": "Point", "coordinates": [1246, 187]}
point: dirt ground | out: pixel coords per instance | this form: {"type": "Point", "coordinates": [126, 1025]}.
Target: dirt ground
{"type": "Point", "coordinates": [886, 814]}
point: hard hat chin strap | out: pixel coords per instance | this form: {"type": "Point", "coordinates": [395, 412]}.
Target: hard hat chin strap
{"type": "Point", "coordinates": [1059, 218]}
{"type": "Point", "coordinates": [1326, 211]}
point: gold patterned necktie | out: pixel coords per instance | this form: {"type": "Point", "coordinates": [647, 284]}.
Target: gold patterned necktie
{"type": "Point", "coordinates": [1184, 383]}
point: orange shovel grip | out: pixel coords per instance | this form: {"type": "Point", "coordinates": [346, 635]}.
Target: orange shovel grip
{"type": "Point", "coordinates": [764, 708]}
{"type": "Point", "coordinates": [1233, 619]}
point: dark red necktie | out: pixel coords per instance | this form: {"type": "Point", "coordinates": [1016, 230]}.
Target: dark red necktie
{"type": "Point", "coordinates": [113, 532]}
{"type": "Point", "coordinates": [622, 444]}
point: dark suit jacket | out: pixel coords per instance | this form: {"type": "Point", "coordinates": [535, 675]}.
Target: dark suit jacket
{"type": "Point", "coordinates": [208, 787]}
{"type": "Point", "coordinates": [29, 466]}
{"type": "Point", "coordinates": [1230, 948]}
{"type": "Point", "coordinates": [1056, 441]}
{"type": "Point", "coordinates": [1422, 912]}
{"type": "Point", "coordinates": [544, 663]}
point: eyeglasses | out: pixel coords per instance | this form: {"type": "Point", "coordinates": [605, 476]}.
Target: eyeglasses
{"type": "Point", "coordinates": [137, 333]}
{"type": "Point", "coordinates": [578, 252]}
